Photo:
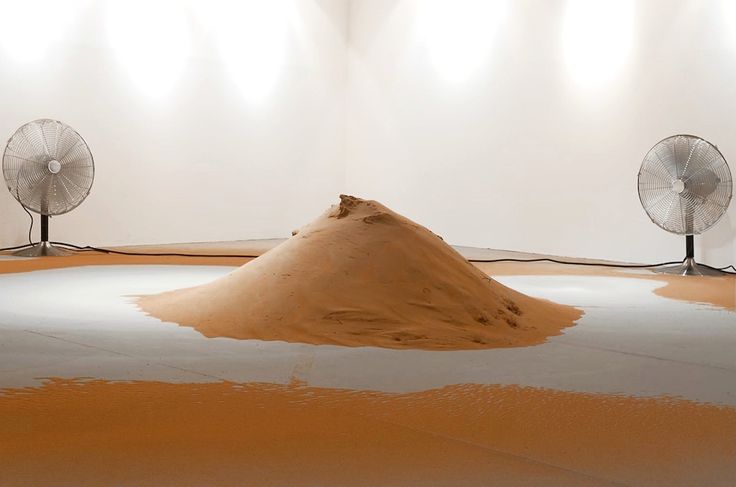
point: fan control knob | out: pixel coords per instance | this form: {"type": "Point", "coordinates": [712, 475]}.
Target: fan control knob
{"type": "Point", "coordinates": [54, 166]}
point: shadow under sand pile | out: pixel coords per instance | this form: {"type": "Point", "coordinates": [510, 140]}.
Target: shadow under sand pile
{"type": "Point", "coordinates": [363, 275]}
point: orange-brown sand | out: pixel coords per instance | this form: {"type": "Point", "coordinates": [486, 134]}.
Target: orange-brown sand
{"type": "Point", "coordinates": [362, 275]}
{"type": "Point", "coordinates": [147, 433]}
{"type": "Point", "coordinates": [717, 291]}
{"type": "Point", "coordinates": [92, 258]}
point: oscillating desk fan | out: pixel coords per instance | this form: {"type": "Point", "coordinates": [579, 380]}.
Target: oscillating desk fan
{"type": "Point", "coordinates": [685, 188]}
{"type": "Point", "coordinates": [49, 169]}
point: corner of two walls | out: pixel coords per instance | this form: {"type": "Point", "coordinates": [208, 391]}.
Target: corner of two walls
{"type": "Point", "coordinates": [515, 156]}
{"type": "Point", "coordinates": [520, 154]}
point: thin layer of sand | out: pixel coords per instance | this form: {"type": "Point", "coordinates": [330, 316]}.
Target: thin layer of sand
{"type": "Point", "coordinates": [94, 432]}
{"type": "Point", "coordinates": [716, 291]}
{"type": "Point", "coordinates": [93, 258]}
{"type": "Point", "coordinates": [363, 275]}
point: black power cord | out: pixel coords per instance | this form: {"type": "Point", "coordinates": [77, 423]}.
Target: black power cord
{"type": "Point", "coordinates": [592, 264]}
{"type": "Point", "coordinates": [17, 247]}
{"type": "Point", "coordinates": [601, 264]}
{"type": "Point", "coordinates": [90, 248]}
{"type": "Point", "coordinates": [30, 229]}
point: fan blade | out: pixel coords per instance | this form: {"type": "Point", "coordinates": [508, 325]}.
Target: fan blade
{"type": "Point", "coordinates": [79, 189]}
{"type": "Point", "coordinates": [698, 194]}
{"type": "Point", "coordinates": [78, 142]}
{"type": "Point", "coordinates": [704, 184]}
{"type": "Point", "coordinates": [669, 166]}
{"type": "Point", "coordinates": [29, 176]}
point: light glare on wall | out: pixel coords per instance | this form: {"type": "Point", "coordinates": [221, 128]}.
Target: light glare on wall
{"type": "Point", "coordinates": [29, 27]}
{"type": "Point", "coordinates": [728, 12]}
{"type": "Point", "coordinates": [458, 34]}
{"type": "Point", "coordinates": [251, 38]}
{"type": "Point", "coordinates": [597, 38]}
{"type": "Point", "coordinates": [151, 39]}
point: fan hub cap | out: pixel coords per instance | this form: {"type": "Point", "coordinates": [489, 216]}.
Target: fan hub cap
{"type": "Point", "coordinates": [678, 186]}
{"type": "Point", "coordinates": [54, 166]}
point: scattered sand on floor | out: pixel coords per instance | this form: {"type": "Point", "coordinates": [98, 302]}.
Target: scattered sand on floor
{"type": "Point", "coordinates": [716, 291]}
{"type": "Point", "coordinates": [362, 275]}
{"type": "Point", "coordinates": [94, 432]}
{"type": "Point", "coordinates": [94, 258]}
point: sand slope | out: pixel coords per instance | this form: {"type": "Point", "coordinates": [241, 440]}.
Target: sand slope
{"type": "Point", "coordinates": [361, 275]}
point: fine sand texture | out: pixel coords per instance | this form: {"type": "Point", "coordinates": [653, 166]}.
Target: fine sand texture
{"type": "Point", "coordinates": [715, 291]}
{"type": "Point", "coordinates": [363, 275]}
{"type": "Point", "coordinates": [72, 432]}
{"type": "Point", "coordinates": [719, 291]}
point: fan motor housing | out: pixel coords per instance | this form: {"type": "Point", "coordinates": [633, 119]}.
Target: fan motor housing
{"type": "Point", "coordinates": [684, 184]}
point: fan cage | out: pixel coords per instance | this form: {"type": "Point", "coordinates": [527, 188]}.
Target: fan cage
{"type": "Point", "coordinates": [35, 180]}
{"type": "Point", "coordinates": [685, 184]}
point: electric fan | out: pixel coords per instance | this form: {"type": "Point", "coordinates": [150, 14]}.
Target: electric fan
{"type": "Point", "coordinates": [49, 169]}
{"type": "Point", "coordinates": [685, 188]}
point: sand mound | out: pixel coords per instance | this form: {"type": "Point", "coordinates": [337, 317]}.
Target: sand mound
{"type": "Point", "coordinates": [362, 275]}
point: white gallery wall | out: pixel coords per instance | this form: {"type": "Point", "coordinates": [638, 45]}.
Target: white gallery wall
{"type": "Point", "coordinates": [515, 124]}
{"type": "Point", "coordinates": [522, 124]}
{"type": "Point", "coordinates": [208, 119]}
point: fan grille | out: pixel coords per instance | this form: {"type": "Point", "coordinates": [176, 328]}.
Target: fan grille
{"type": "Point", "coordinates": [685, 184]}
{"type": "Point", "coordinates": [48, 167]}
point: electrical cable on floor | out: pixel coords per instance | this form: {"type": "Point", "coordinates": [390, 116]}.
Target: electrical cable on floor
{"type": "Point", "coordinates": [545, 259]}
{"type": "Point", "coordinates": [601, 264]}
{"type": "Point", "coordinates": [30, 232]}
{"type": "Point", "coordinates": [593, 264]}
{"type": "Point", "coordinates": [17, 247]}
{"type": "Point", "coordinates": [89, 248]}
{"type": "Point", "coordinates": [30, 229]}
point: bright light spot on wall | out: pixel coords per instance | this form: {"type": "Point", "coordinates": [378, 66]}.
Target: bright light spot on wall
{"type": "Point", "coordinates": [29, 27]}
{"type": "Point", "coordinates": [458, 34]}
{"type": "Point", "coordinates": [728, 11]}
{"type": "Point", "coordinates": [597, 38]}
{"type": "Point", "coordinates": [251, 38]}
{"type": "Point", "coordinates": [151, 39]}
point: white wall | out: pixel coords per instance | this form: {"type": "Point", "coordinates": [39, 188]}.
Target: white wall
{"type": "Point", "coordinates": [189, 145]}
{"type": "Point", "coordinates": [519, 137]}
{"type": "Point", "coordinates": [490, 121]}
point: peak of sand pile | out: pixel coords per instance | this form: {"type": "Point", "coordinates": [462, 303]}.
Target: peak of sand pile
{"type": "Point", "coordinates": [363, 275]}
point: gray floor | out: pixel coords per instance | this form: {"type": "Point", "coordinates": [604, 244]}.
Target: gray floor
{"type": "Point", "coordinates": [80, 322]}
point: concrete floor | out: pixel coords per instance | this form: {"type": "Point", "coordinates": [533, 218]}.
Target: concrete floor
{"type": "Point", "coordinates": [80, 322]}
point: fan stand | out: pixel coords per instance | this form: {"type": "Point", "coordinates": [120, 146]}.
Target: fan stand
{"type": "Point", "coordinates": [44, 247]}
{"type": "Point", "coordinates": [689, 267]}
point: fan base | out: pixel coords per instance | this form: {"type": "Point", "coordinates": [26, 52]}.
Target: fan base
{"type": "Point", "coordinates": [42, 249]}
{"type": "Point", "coordinates": [689, 268]}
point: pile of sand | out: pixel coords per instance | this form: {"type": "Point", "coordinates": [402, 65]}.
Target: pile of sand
{"type": "Point", "coordinates": [363, 275]}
